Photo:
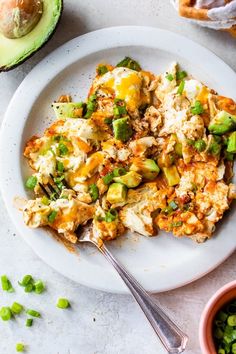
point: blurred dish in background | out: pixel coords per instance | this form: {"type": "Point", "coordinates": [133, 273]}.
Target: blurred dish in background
{"type": "Point", "coordinates": [218, 15]}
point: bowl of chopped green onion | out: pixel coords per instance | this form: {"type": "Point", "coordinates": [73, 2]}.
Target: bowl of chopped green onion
{"type": "Point", "coordinates": [217, 330]}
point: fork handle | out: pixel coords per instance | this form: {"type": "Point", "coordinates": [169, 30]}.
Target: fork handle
{"type": "Point", "coordinates": [171, 336]}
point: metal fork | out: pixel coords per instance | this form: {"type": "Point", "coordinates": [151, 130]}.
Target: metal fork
{"type": "Point", "coordinates": [171, 336]}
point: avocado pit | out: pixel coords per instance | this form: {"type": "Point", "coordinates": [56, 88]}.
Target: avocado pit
{"type": "Point", "coordinates": [19, 17]}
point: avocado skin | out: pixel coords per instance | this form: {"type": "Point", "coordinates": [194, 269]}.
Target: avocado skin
{"type": "Point", "coordinates": [8, 68]}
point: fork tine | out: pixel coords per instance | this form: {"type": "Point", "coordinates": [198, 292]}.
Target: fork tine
{"type": "Point", "coordinates": [53, 190]}
{"type": "Point", "coordinates": [54, 186]}
{"type": "Point", "coordinates": [44, 190]}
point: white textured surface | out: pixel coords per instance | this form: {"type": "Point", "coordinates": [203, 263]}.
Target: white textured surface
{"type": "Point", "coordinates": [119, 326]}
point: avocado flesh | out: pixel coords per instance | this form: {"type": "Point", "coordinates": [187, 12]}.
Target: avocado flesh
{"type": "Point", "coordinates": [15, 51]}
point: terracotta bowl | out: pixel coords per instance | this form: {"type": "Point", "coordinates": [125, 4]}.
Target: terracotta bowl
{"type": "Point", "coordinates": [224, 295]}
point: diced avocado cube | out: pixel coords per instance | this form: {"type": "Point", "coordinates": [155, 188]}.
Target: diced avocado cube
{"type": "Point", "coordinates": [116, 193]}
{"type": "Point", "coordinates": [65, 110]}
{"type": "Point", "coordinates": [222, 123]}
{"type": "Point", "coordinates": [214, 148]}
{"type": "Point", "coordinates": [178, 149]}
{"type": "Point", "coordinates": [145, 167]}
{"type": "Point", "coordinates": [172, 175]}
{"type": "Point", "coordinates": [121, 128]}
{"type": "Point", "coordinates": [231, 146]}
{"type": "Point", "coordinates": [131, 179]}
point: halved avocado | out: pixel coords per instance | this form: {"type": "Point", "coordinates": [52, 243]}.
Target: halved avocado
{"type": "Point", "coordinates": [16, 50]}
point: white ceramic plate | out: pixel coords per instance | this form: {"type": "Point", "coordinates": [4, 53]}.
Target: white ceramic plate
{"type": "Point", "coordinates": [159, 263]}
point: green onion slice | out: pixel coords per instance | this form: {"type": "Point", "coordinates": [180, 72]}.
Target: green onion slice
{"type": "Point", "coordinates": [93, 191]}
{"type": "Point", "coordinates": [107, 179]}
{"type": "Point", "coordinates": [170, 77]}
{"type": "Point", "coordinates": [181, 87]}
{"type": "Point", "coordinates": [29, 322]}
{"type": "Point", "coordinates": [5, 313]}
{"type": "Point", "coordinates": [39, 287]}
{"type": "Point", "coordinates": [27, 279]}
{"type": "Point", "coordinates": [52, 216]}
{"type": "Point", "coordinates": [6, 284]}
{"type": "Point", "coordinates": [197, 108]}
{"type": "Point", "coordinates": [31, 182]}
{"type": "Point", "coordinates": [33, 313]}
{"type": "Point", "coordinates": [16, 308]}
{"type": "Point", "coordinates": [181, 75]}
{"type": "Point", "coordinates": [111, 215]}
{"type": "Point", "coordinates": [102, 69]}
{"type": "Point", "coordinates": [63, 303]}
{"type": "Point", "coordinates": [20, 347]}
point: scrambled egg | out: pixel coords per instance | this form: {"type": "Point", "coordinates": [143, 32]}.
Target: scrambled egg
{"type": "Point", "coordinates": [143, 152]}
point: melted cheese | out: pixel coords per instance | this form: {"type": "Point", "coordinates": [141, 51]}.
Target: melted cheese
{"type": "Point", "coordinates": [125, 83]}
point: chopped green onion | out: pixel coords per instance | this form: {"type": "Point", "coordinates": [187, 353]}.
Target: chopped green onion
{"type": "Point", "coordinates": [88, 114]}
{"type": "Point", "coordinates": [20, 347]}
{"type": "Point", "coordinates": [102, 69]}
{"type": "Point", "coordinates": [224, 329]}
{"type": "Point", "coordinates": [222, 316]}
{"type": "Point", "coordinates": [177, 223]}
{"type": "Point", "coordinates": [181, 75]}
{"type": "Point", "coordinates": [229, 156]}
{"type": "Point", "coordinates": [45, 200]}
{"type": "Point", "coordinates": [127, 62]}
{"type": "Point", "coordinates": [119, 108]}
{"type": "Point", "coordinates": [221, 351]}
{"type": "Point", "coordinates": [170, 77]}
{"type": "Point", "coordinates": [218, 333]}
{"type": "Point", "coordinates": [60, 138]}
{"type": "Point", "coordinates": [63, 303]}
{"type": "Point", "coordinates": [60, 166]}
{"type": "Point", "coordinates": [119, 171]}
{"type": "Point", "coordinates": [197, 108]}
{"type": "Point", "coordinates": [107, 179]}
{"type": "Point", "coordinates": [29, 322]}
{"type": "Point", "coordinates": [59, 181]}
{"type": "Point", "coordinates": [91, 105]}
{"type": "Point", "coordinates": [190, 142]}
{"type": "Point", "coordinates": [200, 145]}
{"type": "Point", "coordinates": [173, 205]}
{"type": "Point", "coordinates": [29, 288]}
{"type": "Point", "coordinates": [63, 149]}
{"type": "Point", "coordinates": [5, 313]}
{"type": "Point", "coordinates": [39, 287]}
{"type": "Point", "coordinates": [116, 111]}
{"type": "Point", "coordinates": [6, 284]}
{"type": "Point", "coordinates": [33, 313]}
{"type": "Point", "coordinates": [168, 210]}
{"type": "Point", "coordinates": [108, 121]}
{"type": "Point", "coordinates": [31, 182]}
{"type": "Point", "coordinates": [181, 87]}
{"type": "Point", "coordinates": [27, 279]}
{"type": "Point", "coordinates": [214, 148]}
{"type": "Point", "coordinates": [93, 191]}
{"type": "Point", "coordinates": [111, 215]}
{"type": "Point", "coordinates": [52, 216]}
{"type": "Point", "coordinates": [16, 308]}
{"type": "Point", "coordinates": [92, 97]}
{"type": "Point", "coordinates": [233, 349]}
{"type": "Point", "coordinates": [231, 320]}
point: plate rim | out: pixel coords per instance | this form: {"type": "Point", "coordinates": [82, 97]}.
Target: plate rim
{"type": "Point", "coordinates": [46, 61]}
